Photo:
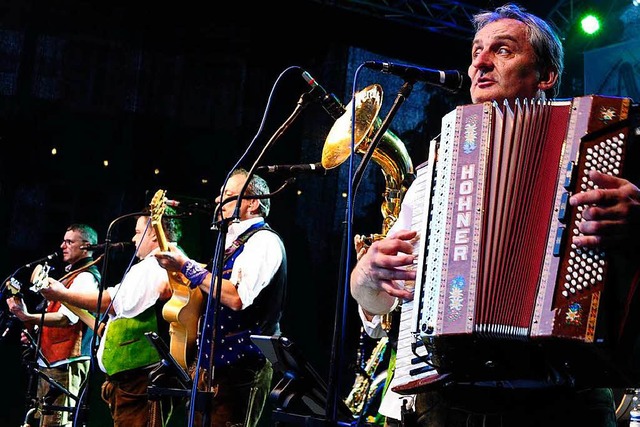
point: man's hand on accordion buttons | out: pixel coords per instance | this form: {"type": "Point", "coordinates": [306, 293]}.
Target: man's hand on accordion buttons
{"type": "Point", "coordinates": [611, 218]}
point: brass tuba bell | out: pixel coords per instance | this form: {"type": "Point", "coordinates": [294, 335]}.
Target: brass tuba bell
{"type": "Point", "coordinates": [390, 154]}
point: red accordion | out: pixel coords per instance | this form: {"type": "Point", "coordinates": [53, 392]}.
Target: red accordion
{"type": "Point", "coordinates": [501, 293]}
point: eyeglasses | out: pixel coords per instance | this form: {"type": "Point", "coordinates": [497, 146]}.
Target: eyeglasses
{"type": "Point", "coordinates": [71, 242]}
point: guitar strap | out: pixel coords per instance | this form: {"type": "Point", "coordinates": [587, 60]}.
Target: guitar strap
{"type": "Point", "coordinates": [67, 278]}
{"type": "Point", "coordinates": [242, 239]}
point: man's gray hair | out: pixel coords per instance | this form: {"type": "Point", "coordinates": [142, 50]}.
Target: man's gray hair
{"type": "Point", "coordinates": [256, 187]}
{"type": "Point", "coordinates": [87, 233]}
{"type": "Point", "coordinates": [544, 40]}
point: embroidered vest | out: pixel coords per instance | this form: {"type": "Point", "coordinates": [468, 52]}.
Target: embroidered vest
{"type": "Point", "coordinates": [59, 343]}
{"type": "Point", "coordinates": [64, 342]}
{"type": "Point", "coordinates": [233, 344]}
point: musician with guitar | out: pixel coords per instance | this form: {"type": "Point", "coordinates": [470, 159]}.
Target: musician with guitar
{"type": "Point", "coordinates": [133, 307]}
{"type": "Point", "coordinates": [65, 333]}
{"type": "Point", "coordinates": [252, 300]}
{"type": "Point", "coordinates": [514, 55]}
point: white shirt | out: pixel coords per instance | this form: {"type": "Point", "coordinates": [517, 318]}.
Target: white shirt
{"type": "Point", "coordinates": [82, 282]}
{"type": "Point", "coordinates": [258, 262]}
{"type": "Point", "coordinates": [373, 327]}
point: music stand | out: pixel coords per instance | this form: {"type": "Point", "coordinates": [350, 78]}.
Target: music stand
{"type": "Point", "coordinates": [301, 395]}
{"type": "Point", "coordinates": [168, 378]}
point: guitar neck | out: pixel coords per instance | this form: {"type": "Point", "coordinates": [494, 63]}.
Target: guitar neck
{"type": "Point", "coordinates": [85, 317]}
{"type": "Point", "coordinates": [163, 244]}
{"type": "Point", "coordinates": [39, 278]}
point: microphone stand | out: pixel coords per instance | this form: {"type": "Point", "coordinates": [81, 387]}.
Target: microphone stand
{"type": "Point", "coordinates": [36, 373]}
{"type": "Point", "coordinates": [199, 398]}
{"type": "Point", "coordinates": [304, 101]}
{"type": "Point", "coordinates": [38, 261]}
{"type": "Point", "coordinates": [32, 366]}
{"type": "Point", "coordinates": [402, 96]}
{"type": "Point", "coordinates": [82, 405]}
{"type": "Point", "coordinates": [341, 299]}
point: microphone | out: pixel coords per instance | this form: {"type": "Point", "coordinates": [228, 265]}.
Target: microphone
{"type": "Point", "coordinates": [303, 168]}
{"type": "Point", "coordinates": [102, 246]}
{"type": "Point", "coordinates": [195, 206]}
{"type": "Point", "coordinates": [329, 101]}
{"type": "Point", "coordinates": [451, 80]}
{"type": "Point", "coordinates": [43, 259]}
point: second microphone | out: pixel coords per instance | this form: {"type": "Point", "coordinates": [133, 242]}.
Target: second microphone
{"type": "Point", "coordinates": [293, 169]}
{"type": "Point", "coordinates": [103, 246]}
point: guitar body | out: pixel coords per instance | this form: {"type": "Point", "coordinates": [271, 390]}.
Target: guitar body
{"type": "Point", "coordinates": [183, 309]}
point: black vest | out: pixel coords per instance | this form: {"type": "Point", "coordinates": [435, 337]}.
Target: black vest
{"type": "Point", "coordinates": [262, 317]}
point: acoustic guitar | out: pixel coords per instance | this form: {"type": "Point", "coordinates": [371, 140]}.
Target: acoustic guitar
{"type": "Point", "coordinates": [39, 280]}
{"type": "Point", "coordinates": [183, 309]}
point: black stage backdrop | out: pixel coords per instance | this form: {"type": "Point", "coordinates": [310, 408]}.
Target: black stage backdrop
{"type": "Point", "coordinates": [172, 96]}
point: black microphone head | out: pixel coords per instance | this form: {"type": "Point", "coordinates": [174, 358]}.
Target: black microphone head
{"type": "Point", "coordinates": [450, 80]}
{"type": "Point", "coordinates": [374, 65]}
{"type": "Point", "coordinates": [456, 82]}
{"type": "Point", "coordinates": [308, 168]}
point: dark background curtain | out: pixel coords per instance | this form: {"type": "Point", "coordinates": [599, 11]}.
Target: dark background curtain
{"type": "Point", "coordinates": [172, 95]}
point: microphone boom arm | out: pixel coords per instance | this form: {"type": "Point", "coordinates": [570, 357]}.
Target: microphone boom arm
{"type": "Point", "coordinates": [304, 101]}
{"type": "Point", "coordinates": [402, 96]}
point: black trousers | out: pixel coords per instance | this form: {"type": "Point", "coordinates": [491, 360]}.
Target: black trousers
{"type": "Point", "coordinates": [475, 406]}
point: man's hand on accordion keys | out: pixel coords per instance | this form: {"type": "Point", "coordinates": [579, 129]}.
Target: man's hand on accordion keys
{"type": "Point", "coordinates": [383, 271]}
{"type": "Point", "coordinates": [611, 215]}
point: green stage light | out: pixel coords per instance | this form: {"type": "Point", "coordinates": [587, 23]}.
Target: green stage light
{"type": "Point", "coordinates": [590, 24]}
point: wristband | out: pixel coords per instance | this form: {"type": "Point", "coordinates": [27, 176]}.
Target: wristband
{"type": "Point", "coordinates": [194, 273]}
